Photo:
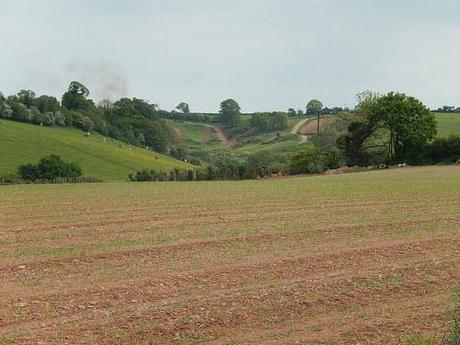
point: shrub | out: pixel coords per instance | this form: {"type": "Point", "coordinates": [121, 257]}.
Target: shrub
{"type": "Point", "coordinates": [28, 172]}
{"type": "Point", "coordinates": [266, 122]}
{"type": "Point", "coordinates": [308, 161]}
{"type": "Point", "coordinates": [444, 149]}
{"type": "Point", "coordinates": [5, 110]}
{"type": "Point", "coordinates": [145, 175]}
{"type": "Point", "coordinates": [50, 168]}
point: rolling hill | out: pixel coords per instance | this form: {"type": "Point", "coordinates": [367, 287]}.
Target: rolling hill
{"type": "Point", "coordinates": [99, 156]}
{"type": "Point", "coordinates": [203, 140]}
{"type": "Point", "coordinates": [200, 141]}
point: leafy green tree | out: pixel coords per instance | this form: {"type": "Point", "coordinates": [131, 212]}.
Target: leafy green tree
{"type": "Point", "coordinates": [59, 118]}
{"type": "Point", "coordinates": [20, 112]}
{"type": "Point", "coordinates": [411, 125]}
{"type": "Point", "coordinates": [86, 124]}
{"type": "Point", "coordinates": [184, 107]}
{"type": "Point", "coordinates": [5, 110]}
{"type": "Point", "coordinates": [314, 107]}
{"type": "Point", "coordinates": [394, 127]}
{"type": "Point", "coordinates": [78, 88]}
{"type": "Point", "coordinates": [279, 121]}
{"type": "Point", "coordinates": [46, 103]}
{"type": "Point", "coordinates": [26, 97]}
{"type": "Point", "coordinates": [37, 117]}
{"type": "Point", "coordinates": [229, 112]}
{"type": "Point", "coordinates": [356, 144]}
{"type": "Point", "coordinates": [292, 112]}
{"type": "Point", "coordinates": [49, 119]}
{"type": "Point", "coordinates": [75, 97]}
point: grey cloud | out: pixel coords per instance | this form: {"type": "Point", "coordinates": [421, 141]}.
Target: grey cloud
{"type": "Point", "coordinates": [106, 80]}
{"type": "Point", "coordinates": [267, 54]}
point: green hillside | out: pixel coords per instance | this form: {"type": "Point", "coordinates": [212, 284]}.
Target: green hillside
{"type": "Point", "coordinates": [202, 142]}
{"type": "Point", "coordinates": [110, 159]}
{"type": "Point", "coordinates": [448, 124]}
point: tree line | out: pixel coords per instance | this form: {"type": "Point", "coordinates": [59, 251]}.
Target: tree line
{"type": "Point", "coordinates": [132, 120]}
{"type": "Point", "coordinates": [448, 109]}
{"type": "Point", "coordinates": [382, 130]}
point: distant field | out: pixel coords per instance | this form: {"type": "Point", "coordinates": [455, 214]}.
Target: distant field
{"type": "Point", "coordinates": [448, 124]}
{"type": "Point", "coordinates": [366, 258]}
{"type": "Point", "coordinates": [111, 159]}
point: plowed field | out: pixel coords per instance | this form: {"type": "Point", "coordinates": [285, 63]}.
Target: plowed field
{"type": "Point", "coordinates": [364, 258]}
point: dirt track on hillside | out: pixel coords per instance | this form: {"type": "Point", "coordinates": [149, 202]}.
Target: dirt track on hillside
{"type": "Point", "coordinates": [227, 142]}
{"type": "Point", "coordinates": [296, 129]}
{"type": "Point", "coordinates": [307, 127]}
{"type": "Point", "coordinates": [312, 126]}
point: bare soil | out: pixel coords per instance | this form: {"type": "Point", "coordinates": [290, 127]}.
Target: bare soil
{"type": "Point", "coordinates": [366, 258]}
{"type": "Point", "coordinates": [311, 127]}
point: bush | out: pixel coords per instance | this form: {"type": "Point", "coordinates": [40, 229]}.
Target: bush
{"type": "Point", "coordinates": [50, 168]}
{"type": "Point", "coordinates": [444, 149]}
{"type": "Point", "coordinates": [308, 161]}
{"type": "Point", "coordinates": [267, 122]}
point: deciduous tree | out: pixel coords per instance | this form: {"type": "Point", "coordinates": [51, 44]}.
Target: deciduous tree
{"type": "Point", "coordinates": [230, 113]}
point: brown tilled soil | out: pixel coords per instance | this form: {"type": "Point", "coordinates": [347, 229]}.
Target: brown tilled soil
{"type": "Point", "coordinates": [312, 126]}
{"type": "Point", "coordinates": [366, 258]}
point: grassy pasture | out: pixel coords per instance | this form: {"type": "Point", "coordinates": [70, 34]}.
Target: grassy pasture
{"type": "Point", "coordinates": [359, 258]}
{"type": "Point", "coordinates": [448, 124]}
{"type": "Point", "coordinates": [110, 159]}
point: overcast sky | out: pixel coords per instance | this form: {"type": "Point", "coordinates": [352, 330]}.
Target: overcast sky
{"type": "Point", "coordinates": [266, 54]}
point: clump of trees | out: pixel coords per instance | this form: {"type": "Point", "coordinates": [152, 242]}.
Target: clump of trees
{"type": "Point", "coordinates": [192, 117]}
{"type": "Point", "coordinates": [268, 122]}
{"type": "Point", "coordinates": [390, 128]}
{"type": "Point", "coordinates": [50, 168]}
{"type": "Point", "coordinates": [230, 113]}
{"type": "Point", "coordinates": [134, 121]}
{"type": "Point", "coordinates": [448, 109]}
{"type": "Point", "coordinates": [26, 107]}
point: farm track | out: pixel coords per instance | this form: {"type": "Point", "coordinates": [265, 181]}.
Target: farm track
{"type": "Point", "coordinates": [231, 263]}
{"type": "Point", "coordinates": [221, 136]}
{"type": "Point", "coordinates": [295, 130]}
